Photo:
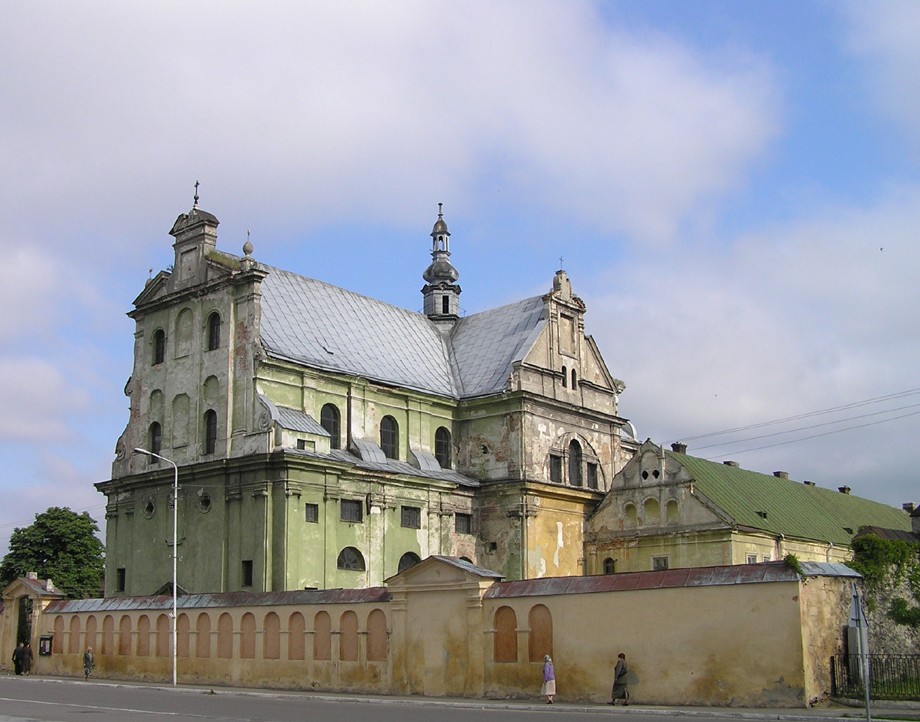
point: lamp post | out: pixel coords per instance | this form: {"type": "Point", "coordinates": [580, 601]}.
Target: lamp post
{"type": "Point", "coordinates": [175, 548]}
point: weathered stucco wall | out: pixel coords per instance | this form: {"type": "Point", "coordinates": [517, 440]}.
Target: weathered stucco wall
{"type": "Point", "coordinates": [441, 628]}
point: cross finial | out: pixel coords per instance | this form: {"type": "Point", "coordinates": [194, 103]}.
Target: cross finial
{"type": "Point", "coordinates": [196, 195]}
{"type": "Point", "coordinates": [439, 210]}
{"type": "Point", "coordinates": [561, 266]}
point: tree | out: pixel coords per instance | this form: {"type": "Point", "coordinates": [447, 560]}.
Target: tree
{"type": "Point", "coordinates": [62, 546]}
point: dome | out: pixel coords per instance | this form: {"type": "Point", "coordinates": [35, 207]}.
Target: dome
{"type": "Point", "coordinates": [441, 270]}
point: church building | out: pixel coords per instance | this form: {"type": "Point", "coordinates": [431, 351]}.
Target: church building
{"type": "Point", "coordinates": [324, 439]}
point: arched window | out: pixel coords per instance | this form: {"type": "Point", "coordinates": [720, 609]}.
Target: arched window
{"type": "Point", "coordinates": [159, 346]}
{"type": "Point", "coordinates": [213, 331]}
{"type": "Point", "coordinates": [210, 431]}
{"type": "Point", "coordinates": [671, 512]}
{"type": "Point", "coordinates": [376, 636]}
{"type": "Point", "coordinates": [389, 437]}
{"type": "Point", "coordinates": [329, 419]}
{"type": "Point", "coordinates": [505, 638]}
{"type": "Point", "coordinates": [445, 305]}
{"type": "Point", "coordinates": [143, 636]}
{"type": "Point", "coordinates": [540, 637]}
{"type": "Point", "coordinates": [574, 463]}
{"type": "Point", "coordinates": [182, 635]}
{"type": "Point", "coordinates": [248, 636]}
{"type": "Point", "coordinates": [565, 377]}
{"type": "Point", "coordinates": [225, 636]}
{"type": "Point", "coordinates": [156, 441]}
{"type": "Point", "coordinates": [348, 637]}
{"type": "Point", "coordinates": [124, 635]}
{"type": "Point", "coordinates": [442, 447]}
{"type": "Point", "coordinates": [271, 636]}
{"type": "Point", "coordinates": [203, 636]}
{"type": "Point", "coordinates": [408, 560]}
{"type": "Point", "coordinates": [322, 636]}
{"type": "Point", "coordinates": [297, 627]}
{"type": "Point", "coordinates": [351, 559]}
{"type": "Point", "coordinates": [610, 565]}
{"type": "Point", "coordinates": [574, 379]}
{"type": "Point", "coordinates": [651, 512]}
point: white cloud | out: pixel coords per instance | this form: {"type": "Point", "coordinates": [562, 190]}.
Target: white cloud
{"type": "Point", "coordinates": [803, 316]}
{"type": "Point", "coordinates": [325, 111]}
{"type": "Point", "coordinates": [884, 34]}
{"type": "Point", "coordinates": [36, 398]}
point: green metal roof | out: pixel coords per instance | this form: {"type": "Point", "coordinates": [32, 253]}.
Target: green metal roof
{"type": "Point", "coordinates": [782, 506]}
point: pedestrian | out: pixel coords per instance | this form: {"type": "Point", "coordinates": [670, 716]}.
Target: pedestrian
{"type": "Point", "coordinates": [27, 658]}
{"type": "Point", "coordinates": [17, 658]}
{"type": "Point", "coordinates": [549, 680]}
{"type": "Point", "coordinates": [89, 661]}
{"type": "Point", "coordinates": [619, 690]}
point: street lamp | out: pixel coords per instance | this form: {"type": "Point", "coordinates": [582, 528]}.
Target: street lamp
{"type": "Point", "coordinates": [175, 548]}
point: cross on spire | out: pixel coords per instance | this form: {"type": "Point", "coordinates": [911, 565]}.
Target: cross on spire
{"type": "Point", "coordinates": [196, 195]}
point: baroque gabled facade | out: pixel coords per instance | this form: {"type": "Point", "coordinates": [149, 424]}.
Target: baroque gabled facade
{"type": "Point", "coordinates": [326, 439]}
{"type": "Point", "coordinates": [668, 509]}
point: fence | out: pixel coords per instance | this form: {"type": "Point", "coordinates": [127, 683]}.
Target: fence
{"type": "Point", "coordinates": [891, 676]}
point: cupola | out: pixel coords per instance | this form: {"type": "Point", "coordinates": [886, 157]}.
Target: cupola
{"type": "Point", "coordinates": [441, 293]}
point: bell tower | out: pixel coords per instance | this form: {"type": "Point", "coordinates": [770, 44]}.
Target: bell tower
{"type": "Point", "coordinates": [441, 292]}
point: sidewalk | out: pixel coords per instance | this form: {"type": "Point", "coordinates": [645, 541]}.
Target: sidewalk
{"type": "Point", "coordinates": [831, 711]}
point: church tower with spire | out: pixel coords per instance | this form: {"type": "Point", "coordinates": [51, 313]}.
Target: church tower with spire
{"type": "Point", "coordinates": [441, 292]}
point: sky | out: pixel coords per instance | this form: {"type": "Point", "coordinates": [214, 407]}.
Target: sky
{"type": "Point", "coordinates": [732, 188]}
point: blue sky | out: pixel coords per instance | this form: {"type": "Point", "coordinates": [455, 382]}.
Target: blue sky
{"type": "Point", "coordinates": [733, 189]}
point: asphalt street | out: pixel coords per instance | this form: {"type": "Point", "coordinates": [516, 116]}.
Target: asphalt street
{"type": "Point", "coordinates": [66, 700]}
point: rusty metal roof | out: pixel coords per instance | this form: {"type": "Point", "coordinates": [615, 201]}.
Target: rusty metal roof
{"type": "Point", "coordinates": [668, 579]}
{"type": "Point", "coordinates": [224, 599]}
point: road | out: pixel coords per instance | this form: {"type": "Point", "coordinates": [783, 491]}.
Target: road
{"type": "Point", "coordinates": [59, 700]}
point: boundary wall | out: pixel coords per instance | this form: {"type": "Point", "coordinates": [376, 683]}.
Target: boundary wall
{"type": "Point", "coordinates": [746, 635]}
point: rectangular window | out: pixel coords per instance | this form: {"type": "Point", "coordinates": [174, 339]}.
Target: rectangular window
{"type": "Point", "coordinates": [247, 573]}
{"type": "Point", "coordinates": [555, 468]}
{"type": "Point", "coordinates": [412, 517]}
{"type": "Point", "coordinates": [751, 558]}
{"type": "Point", "coordinates": [311, 513]}
{"type": "Point", "coordinates": [463, 523]}
{"type": "Point", "coordinates": [352, 510]}
{"type": "Point", "coordinates": [659, 564]}
{"type": "Point", "coordinates": [591, 470]}
{"type": "Point", "coordinates": [120, 579]}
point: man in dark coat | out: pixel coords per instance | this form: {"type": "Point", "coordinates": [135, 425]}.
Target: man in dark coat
{"type": "Point", "coordinates": [26, 658]}
{"type": "Point", "coordinates": [17, 659]}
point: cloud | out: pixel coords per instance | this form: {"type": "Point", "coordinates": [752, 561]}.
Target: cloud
{"type": "Point", "coordinates": [884, 37]}
{"type": "Point", "coordinates": [315, 111]}
{"type": "Point", "coordinates": [804, 315]}
{"type": "Point", "coordinates": [36, 397]}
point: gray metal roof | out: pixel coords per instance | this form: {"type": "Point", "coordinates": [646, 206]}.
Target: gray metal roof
{"type": "Point", "coordinates": [322, 326]}
{"type": "Point", "coordinates": [390, 466]}
{"type": "Point", "coordinates": [298, 421]}
{"type": "Point", "coordinates": [485, 345]}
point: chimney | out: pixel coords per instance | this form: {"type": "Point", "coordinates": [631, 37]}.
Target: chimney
{"type": "Point", "coordinates": [781, 474]}
{"type": "Point", "coordinates": [31, 575]}
{"type": "Point", "coordinates": [49, 585]}
{"type": "Point", "coordinates": [843, 489]}
{"type": "Point", "coordinates": [908, 506]}
{"type": "Point", "coordinates": [732, 463]}
{"type": "Point", "coordinates": [679, 447]}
